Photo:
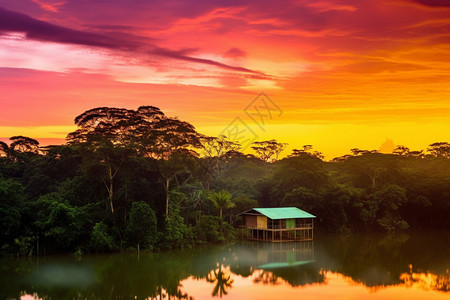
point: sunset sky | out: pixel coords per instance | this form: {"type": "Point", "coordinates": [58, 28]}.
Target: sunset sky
{"type": "Point", "coordinates": [335, 74]}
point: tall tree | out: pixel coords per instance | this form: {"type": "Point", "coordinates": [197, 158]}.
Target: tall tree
{"type": "Point", "coordinates": [401, 150]}
{"type": "Point", "coordinates": [217, 146]}
{"type": "Point", "coordinates": [24, 144]}
{"type": "Point", "coordinates": [105, 133]}
{"type": "Point", "coordinates": [172, 143]}
{"type": "Point", "coordinates": [215, 154]}
{"type": "Point", "coordinates": [268, 151]}
{"type": "Point", "coordinates": [113, 133]}
{"type": "Point", "coordinates": [141, 229]}
{"type": "Point", "coordinates": [307, 150]}
{"type": "Point", "coordinates": [441, 149]}
{"type": "Point", "coordinates": [4, 149]}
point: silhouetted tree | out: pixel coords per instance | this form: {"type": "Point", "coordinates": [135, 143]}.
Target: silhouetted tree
{"type": "Point", "coordinates": [268, 151]}
{"type": "Point", "coordinates": [307, 150]}
{"type": "Point", "coordinates": [441, 149]}
{"type": "Point", "coordinates": [401, 150]}
{"type": "Point", "coordinates": [4, 149]}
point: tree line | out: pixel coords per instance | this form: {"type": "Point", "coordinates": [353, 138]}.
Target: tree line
{"type": "Point", "coordinates": [139, 177]}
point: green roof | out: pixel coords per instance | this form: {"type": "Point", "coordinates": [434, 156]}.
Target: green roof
{"type": "Point", "coordinates": [277, 213]}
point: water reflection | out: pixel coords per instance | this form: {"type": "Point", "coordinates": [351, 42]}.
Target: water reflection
{"type": "Point", "coordinates": [371, 263]}
{"type": "Point", "coordinates": [426, 281]}
{"type": "Point", "coordinates": [294, 263]}
{"type": "Point", "coordinates": [222, 280]}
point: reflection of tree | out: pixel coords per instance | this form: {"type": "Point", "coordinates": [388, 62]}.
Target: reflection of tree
{"type": "Point", "coordinates": [222, 280]}
{"type": "Point", "coordinates": [426, 281]}
{"type": "Point", "coordinates": [265, 278]}
{"type": "Point", "coordinates": [443, 282]}
{"type": "Point", "coordinates": [379, 261]}
{"type": "Point", "coordinates": [163, 294]}
{"type": "Point", "coordinates": [375, 261]}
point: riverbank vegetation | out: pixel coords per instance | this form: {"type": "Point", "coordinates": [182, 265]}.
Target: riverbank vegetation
{"type": "Point", "coordinates": [138, 177]}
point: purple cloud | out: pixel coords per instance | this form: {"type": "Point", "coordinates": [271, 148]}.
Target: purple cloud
{"type": "Point", "coordinates": [434, 3]}
{"type": "Point", "coordinates": [43, 31]}
{"type": "Point", "coordinates": [235, 53]}
{"type": "Point", "coordinates": [39, 30]}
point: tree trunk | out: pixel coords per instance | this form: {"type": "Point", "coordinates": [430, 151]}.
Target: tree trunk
{"type": "Point", "coordinates": [111, 195]}
{"type": "Point", "coordinates": [110, 188]}
{"type": "Point", "coordinates": [373, 179]}
{"type": "Point", "coordinates": [166, 186]}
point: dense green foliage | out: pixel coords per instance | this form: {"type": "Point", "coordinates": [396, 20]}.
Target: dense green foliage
{"type": "Point", "coordinates": [141, 228]}
{"type": "Point", "coordinates": [128, 178]}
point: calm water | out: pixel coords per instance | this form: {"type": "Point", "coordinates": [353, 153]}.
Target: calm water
{"type": "Point", "coordinates": [339, 267]}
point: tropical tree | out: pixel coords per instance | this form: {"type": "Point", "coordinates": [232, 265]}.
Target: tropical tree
{"type": "Point", "coordinates": [401, 150]}
{"type": "Point", "coordinates": [372, 170]}
{"type": "Point", "coordinates": [389, 200]}
{"type": "Point", "coordinates": [171, 142]}
{"type": "Point", "coordinates": [217, 146]}
{"type": "Point", "coordinates": [441, 149]}
{"type": "Point", "coordinates": [4, 149]}
{"type": "Point", "coordinates": [268, 151]}
{"type": "Point", "coordinates": [141, 229]}
{"type": "Point", "coordinates": [104, 136]}
{"type": "Point", "coordinates": [24, 144]}
{"type": "Point", "coordinates": [221, 200]}
{"type": "Point", "coordinates": [215, 153]}
{"type": "Point", "coordinates": [12, 198]}
{"type": "Point", "coordinates": [222, 281]}
{"type": "Point", "coordinates": [307, 150]}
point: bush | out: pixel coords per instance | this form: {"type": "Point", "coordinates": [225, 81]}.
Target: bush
{"type": "Point", "coordinates": [141, 228]}
{"type": "Point", "coordinates": [176, 233]}
{"type": "Point", "coordinates": [211, 229]}
{"type": "Point", "coordinates": [59, 222]}
{"type": "Point", "coordinates": [11, 206]}
{"type": "Point", "coordinates": [101, 241]}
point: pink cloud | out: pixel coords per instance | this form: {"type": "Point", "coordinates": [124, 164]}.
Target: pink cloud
{"type": "Point", "coordinates": [49, 5]}
{"type": "Point", "coordinates": [44, 31]}
{"type": "Point", "coordinates": [235, 53]}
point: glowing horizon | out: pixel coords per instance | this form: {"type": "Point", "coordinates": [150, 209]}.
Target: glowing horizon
{"type": "Point", "coordinates": [344, 74]}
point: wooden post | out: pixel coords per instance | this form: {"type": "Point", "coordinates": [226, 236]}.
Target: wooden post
{"type": "Point", "coordinates": [281, 232]}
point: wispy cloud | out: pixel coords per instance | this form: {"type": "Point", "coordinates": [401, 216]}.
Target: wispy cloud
{"type": "Point", "coordinates": [51, 6]}
{"type": "Point", "coordinates": [43, 31]}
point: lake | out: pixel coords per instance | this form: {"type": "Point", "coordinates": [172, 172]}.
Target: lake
{"type": "Point", "coordinates": [414, 266]}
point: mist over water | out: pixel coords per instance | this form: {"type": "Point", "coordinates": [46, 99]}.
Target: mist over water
{"type": "Point", "coordinates": [375, 266]}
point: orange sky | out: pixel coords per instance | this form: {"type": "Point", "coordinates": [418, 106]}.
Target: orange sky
{"type": "Point", "coordinates": [338, 74]}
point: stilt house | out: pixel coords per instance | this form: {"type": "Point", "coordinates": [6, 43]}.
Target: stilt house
{"type": "Point", "coordinates": [279, 224]}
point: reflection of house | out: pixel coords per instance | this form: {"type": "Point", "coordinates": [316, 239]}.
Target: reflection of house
{"type": "Point", "coordinates": [281, 255]}
{"type": "Point", "coordinates": [280, 224]}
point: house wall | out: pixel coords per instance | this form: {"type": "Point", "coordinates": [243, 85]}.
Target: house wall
{"type": "Point", "coordinates": [250, 221]}
{"type": "Point", "coordinates": [290, 223]}
{"type": "Point", "coordinates": [261, 222]}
